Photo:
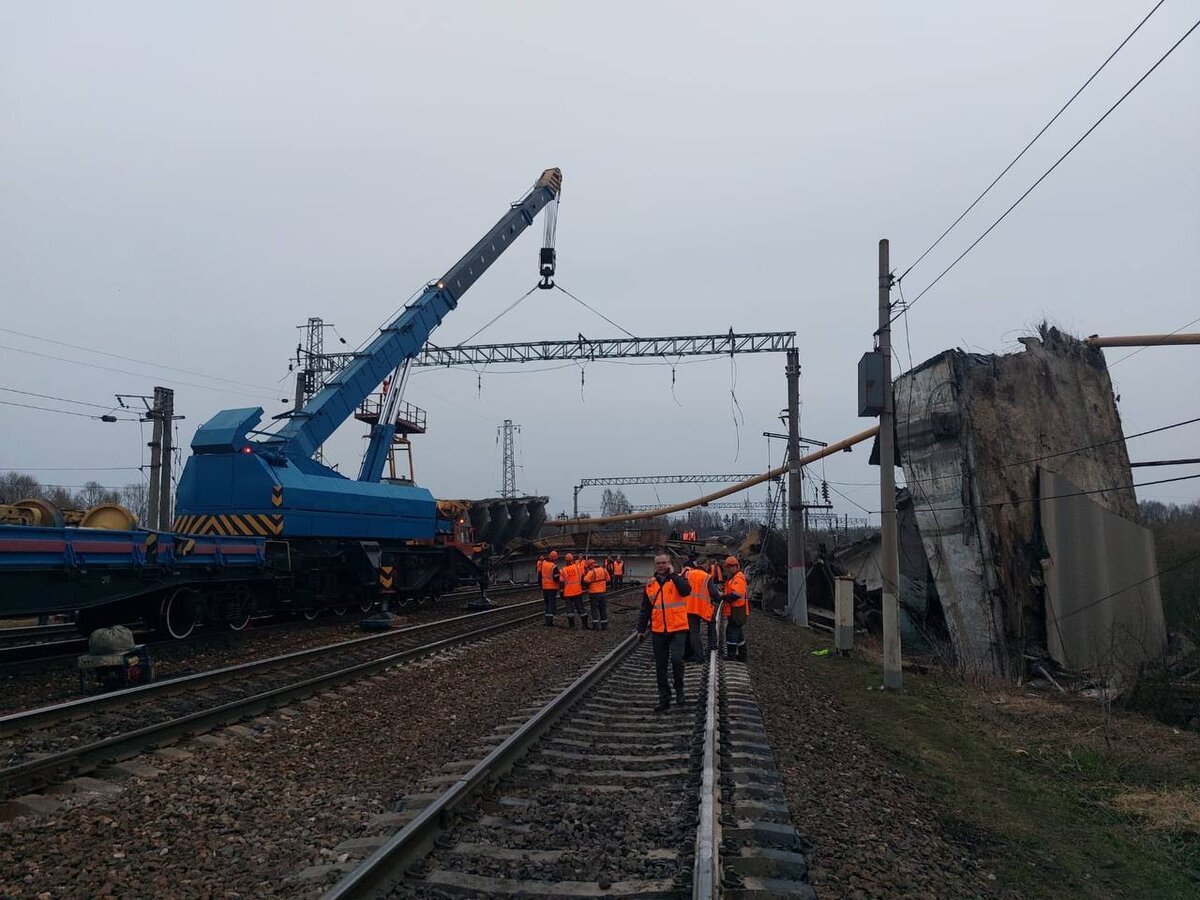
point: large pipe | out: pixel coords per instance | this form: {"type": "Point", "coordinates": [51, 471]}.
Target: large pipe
{"type": "Point", "coordinates": [1142, 340]}
{"type": "Point", "coordinates": [837, 447]}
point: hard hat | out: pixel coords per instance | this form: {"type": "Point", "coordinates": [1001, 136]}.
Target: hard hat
{"type": "Point", "coordinates": [570, 557]}
{"type": "Point", "coordinates": [554, 554]}
{"type": "Point", "coordinates": [731, 561]}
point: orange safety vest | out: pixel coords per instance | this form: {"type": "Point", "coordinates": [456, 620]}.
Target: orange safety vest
{"type": "Point", "coordinates": [668, 611]}
{"type": "Point", "coordinates": [596, 578]}
{"type": "Point", "coordinates": [698, 603]}
{"type": "Point", "coordinates": [572, 576]}
{"type": "Point", "coordinates": [715, 573]}
{"type": "Point", "coordinates": [547, 575]}
{"type": "Point", "coordinates": [618, 567]}
{"type": "Point", "coordinates": [737, 582]}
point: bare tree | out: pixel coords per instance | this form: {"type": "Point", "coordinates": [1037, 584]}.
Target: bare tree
{"type": "Point", "coordinates": [614, 503]}
{"type": "Point", "coordinates": [16, 486]}
{"type": "Point", "coordinates": [135, 497]}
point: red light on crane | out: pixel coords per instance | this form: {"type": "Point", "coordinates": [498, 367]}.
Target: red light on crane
{"type": "Point", "coordinates": [247, 450]}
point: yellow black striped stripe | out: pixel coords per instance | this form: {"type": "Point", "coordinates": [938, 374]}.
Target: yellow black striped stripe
{"type": "Point", "coordinates": [232, 525]}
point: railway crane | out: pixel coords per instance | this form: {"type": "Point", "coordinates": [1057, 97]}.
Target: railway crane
{"type": "Point", "coordinates": [348, 538]}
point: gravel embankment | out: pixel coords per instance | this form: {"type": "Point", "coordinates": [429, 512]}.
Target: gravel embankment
{"type": "Point", "coordinates": [213, 651]}
{"type": "Point", "coordinates": [237, 820]}
{"type": "Point", "coordinates": [872, 833]}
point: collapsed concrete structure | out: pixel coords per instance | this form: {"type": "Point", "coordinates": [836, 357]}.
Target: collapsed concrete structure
{"type": "Point", "coordinates": [1022, 493]}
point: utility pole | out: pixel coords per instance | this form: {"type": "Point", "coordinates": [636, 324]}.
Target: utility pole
{"type": "Point", "coordinates": [893, 677]}
{"type": "Point", "coordinates": [164, 404]}
{"type": "Point", "coordinates": [160, 411]}
{"type": "Point", "coordinates": [797, 586]}
{"type": "Point", "coordinates": [153, 505]}
{"type": "Point", "coordinates": [508, 487]}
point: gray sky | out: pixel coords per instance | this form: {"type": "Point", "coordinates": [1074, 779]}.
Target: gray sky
{"type": "Point", "coordinates": [184, 183]}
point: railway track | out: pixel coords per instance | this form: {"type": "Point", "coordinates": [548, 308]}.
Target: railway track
{"type": "Point", "coordinates": [40, 746]}
{"type": "Point", "coordinates": [595, 795]}
{"type": "Point", "coordinates": [22, 650]}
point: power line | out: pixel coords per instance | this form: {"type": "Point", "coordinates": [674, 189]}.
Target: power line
{"type": "Point", "coordinates": [1025, 149]}
{"type": "Point", "coordinates": [63, 399]}
{"type": "Point", "coordinates": [70, 469]}
{"type": "Point", "coordinates": [140, 362]}
{"type": "Point", "coordinates": [1099, 600]}
{"type": "Point", "coordinates": [1046, 174]}
{"type": "Point", "coordinates": [77, 362]}
{"type": "Point", "coordinates": [1019, 500]}
{"type": "Point", "coordinates": [64, 412]}
{"type": "Point", "coordinates": [1045, 456]}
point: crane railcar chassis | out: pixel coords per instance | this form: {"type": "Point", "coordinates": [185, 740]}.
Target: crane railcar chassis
{"type": "Point", "coordinates": [175, 581]}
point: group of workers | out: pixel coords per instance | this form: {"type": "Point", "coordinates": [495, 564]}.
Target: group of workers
{"type": "Point", "coordinates": [677, 608]}
{"type": "Point", "coordinates": [674, 606]}
{"type": "Point", "coordinates": [583, 584]}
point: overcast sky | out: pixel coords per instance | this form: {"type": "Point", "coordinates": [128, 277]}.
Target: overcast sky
{"type": "Point", "coordinates": [185, 183]}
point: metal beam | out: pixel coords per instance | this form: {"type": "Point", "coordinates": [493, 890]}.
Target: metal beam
{"type": "Point", "coordinates": [587, 349]}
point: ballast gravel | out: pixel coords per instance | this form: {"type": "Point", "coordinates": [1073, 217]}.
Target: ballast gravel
{"type": "Point", "coordinates": [214, 649]}
{"type": "Point", "coordinates": [871, 832]}
{"type": "Point", "coordinates": [240, 812]}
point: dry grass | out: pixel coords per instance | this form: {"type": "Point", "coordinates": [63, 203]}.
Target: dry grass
{"type": "Point", "coordinates": [1075, 799]}
{"type": "Point", "coordinates": [1176, 810]}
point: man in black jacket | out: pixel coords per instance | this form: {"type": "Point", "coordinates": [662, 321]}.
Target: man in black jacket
{"type": "Point", "coordinates": [664, 614]}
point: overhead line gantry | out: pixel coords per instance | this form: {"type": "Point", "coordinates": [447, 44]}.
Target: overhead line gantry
{"type": "Point", "coordinates": [584, 349]}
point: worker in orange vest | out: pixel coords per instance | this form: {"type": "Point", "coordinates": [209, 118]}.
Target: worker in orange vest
{"type": "Point", "coordinates": [737, 609]}
{"type": "Point", "coordinates": [664, 614]}
{"type": "Point", "coordinates": [618, 572]}
{"type": "Point", "coordinates": [549, 577]}
{"type": "Point", "coordinates": [596, 579]}
{"type": "Point", "coordinates": [699, 609]}
{"type": "Point", "coordinates": [572, 590]}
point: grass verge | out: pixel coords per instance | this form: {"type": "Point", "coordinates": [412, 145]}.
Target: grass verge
{"type": "Point", "coordinates": [1068, 799]}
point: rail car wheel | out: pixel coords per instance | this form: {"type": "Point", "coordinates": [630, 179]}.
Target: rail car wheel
{"type": "Point", "coordinates": [366, 604]}
{"type": "Point", "coordinates": [175, 617]}
{"type": "Point", "coordinates": [310, 614]}
{"type": "Point", "coordinates": [340, 610]}
{"type": "Point", "coordinates": [237, 611]}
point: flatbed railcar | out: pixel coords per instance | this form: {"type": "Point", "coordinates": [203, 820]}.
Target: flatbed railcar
{"type": "Point", "coordinates": [176, 581]}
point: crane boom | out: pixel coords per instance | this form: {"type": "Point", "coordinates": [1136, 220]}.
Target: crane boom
{"type": "Point", "coordinates": [270, 485]}
{"type": "Point", "coordinates": [403, 338]}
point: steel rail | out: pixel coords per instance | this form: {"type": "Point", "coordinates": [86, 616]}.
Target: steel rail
{"type": "Point", "coordinates": [706, 871]}
{"type": "Point", "coordinates": [57, 651]}
{"type": "Point", "coordinates": [36, 772]}
{"type": "Point", "coordinates": [70, 709]}
{"type": "Point", "coordinates": [384, 868]}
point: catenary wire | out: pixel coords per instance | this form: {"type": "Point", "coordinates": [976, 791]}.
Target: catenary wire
{"type": "Point", "coordinates": [140, 362]}
{"type": "Point", "coordinates": [1129, 587]}
{"type": "Point", "coordinates": [63, 399]}
{"type": "Point", "coordinates": [78, 362]}
{"type": "Point", "coordinates": [1019, 500]}
{"type": "Point", "coordinates": [1025, 149]}
{"type": "Point", "coordinates": [63, 412]}
{"type": "Point", "coordinates": [1046, 174]}
{"type": "Point", "coordinates": [70, 468]}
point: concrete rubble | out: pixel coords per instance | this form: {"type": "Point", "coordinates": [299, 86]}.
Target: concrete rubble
{"type": "Point", "coordinates": [991, 446]}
